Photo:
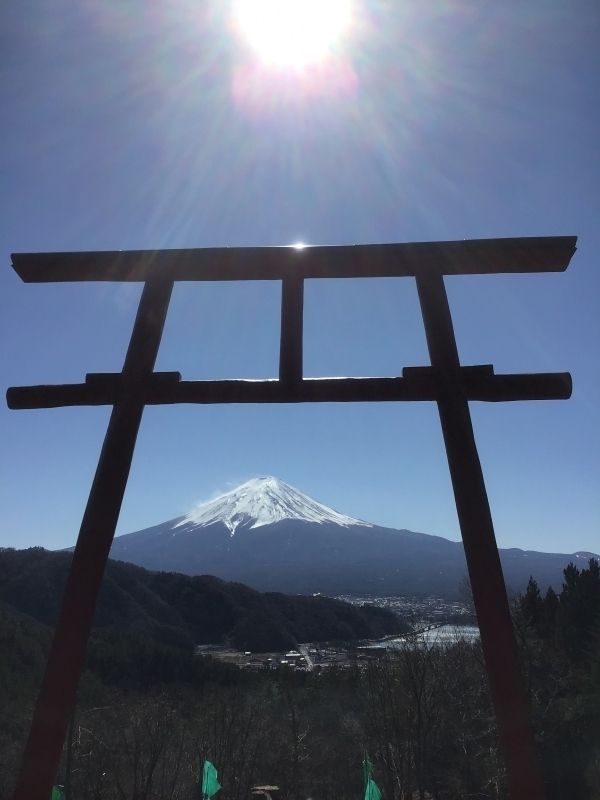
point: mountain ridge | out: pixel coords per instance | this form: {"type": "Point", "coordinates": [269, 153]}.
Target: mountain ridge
{"type": "Point", "coordinates": [256, 535]}
{"type": "Point", "coordinates": [182, 610]}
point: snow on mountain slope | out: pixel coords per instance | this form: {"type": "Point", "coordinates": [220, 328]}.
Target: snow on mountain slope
{"type": "Point", "coordinates": [262, 501]}
{"type": "Point", "coordinates": [302, 547]}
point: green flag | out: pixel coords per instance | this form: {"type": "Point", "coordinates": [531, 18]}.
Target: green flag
{"type": "Point", "coordinates": [210, 784]}
{"type": "Point", "coordinates": [57, 793]}
{"type": "Point", "coordinates": [371, 789]}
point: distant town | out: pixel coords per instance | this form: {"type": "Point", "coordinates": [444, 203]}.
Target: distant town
{"type": "Point", "coordinates": [418, 609]}
{"type": "Point", "coordinates": [432, 619]}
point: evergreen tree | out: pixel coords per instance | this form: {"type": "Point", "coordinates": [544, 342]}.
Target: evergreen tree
{"type": "Point", "coordinates": [549, 614]}
{"type": "Point", "coordinates": [532, 605]}
{"type": "Point", "coordinates": [579, 609]}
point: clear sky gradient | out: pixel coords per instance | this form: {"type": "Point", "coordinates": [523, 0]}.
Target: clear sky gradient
{"type": "Point", "coordinates": [151, 125]}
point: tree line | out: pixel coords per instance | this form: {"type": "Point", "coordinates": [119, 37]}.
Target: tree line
{"type": "Point", "coordinates": [142, 728]}
{"type": "Point", "coordinates": [183, 610]}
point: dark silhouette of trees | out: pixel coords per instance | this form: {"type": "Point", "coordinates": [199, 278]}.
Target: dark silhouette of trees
{"type": "Point", "coordinates": [149, 712]}
{"type": "Point", "coordinates": [559, 635]}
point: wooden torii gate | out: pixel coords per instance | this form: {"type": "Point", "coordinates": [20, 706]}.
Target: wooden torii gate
{"type": "Point", "coordinates": [445, 382]}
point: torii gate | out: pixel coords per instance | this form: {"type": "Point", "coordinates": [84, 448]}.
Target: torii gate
{"type": "Point", "coordinates": [445, 382]}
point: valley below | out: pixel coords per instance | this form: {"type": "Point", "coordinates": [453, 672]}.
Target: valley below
{"type": "Point", "coordinates": [369, 645]}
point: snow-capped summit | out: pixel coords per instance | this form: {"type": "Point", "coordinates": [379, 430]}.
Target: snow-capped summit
{"type": "Point", "coordinates": [262, 501]}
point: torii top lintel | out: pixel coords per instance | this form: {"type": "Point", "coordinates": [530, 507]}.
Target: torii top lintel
{"type": "Point", "coordinates": [427, 262]}
{"type": "Point", "coordinates": [468, 257]}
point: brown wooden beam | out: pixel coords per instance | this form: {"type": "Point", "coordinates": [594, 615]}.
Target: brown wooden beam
{"type": "Point", "coordinates": [100, 380]}
{"type": "Point", "coordinates": [417, 383]}
{"type": "Point", "coordinates": [290, 350]}
{"type": "Point", "coordinates": [57, 695]}
{"type": "Point", "coordinates": [468, 257]}
{"type": "Point", "coordinates": [498, 641]}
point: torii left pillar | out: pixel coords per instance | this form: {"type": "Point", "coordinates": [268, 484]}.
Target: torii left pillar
{"type": "Point", "coordinates": [57, 696]}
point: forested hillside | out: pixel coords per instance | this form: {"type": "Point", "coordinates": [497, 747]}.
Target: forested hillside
{"type": "Point", "coordinates": [149, 713]}
{"type": "Point", "coordinates": [182, 611]}
{"type": "Point", "coordinates": [560, 643]}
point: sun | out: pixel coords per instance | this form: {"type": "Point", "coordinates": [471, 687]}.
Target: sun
{"type": "Point", "coordinates": [292, 33]}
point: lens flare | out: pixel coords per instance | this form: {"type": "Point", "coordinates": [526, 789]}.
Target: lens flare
{"type": "Point", "coordinates": [292, 33]}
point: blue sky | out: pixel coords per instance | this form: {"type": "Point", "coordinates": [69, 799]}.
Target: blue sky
{"type": "Point", "coordinates": [148, 125]}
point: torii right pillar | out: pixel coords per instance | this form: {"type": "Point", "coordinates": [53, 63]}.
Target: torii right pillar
{"type": "Point", "coordinates": [524, 775]}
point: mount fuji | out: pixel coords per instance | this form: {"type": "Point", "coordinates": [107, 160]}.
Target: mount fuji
{"type": "Point", "coordinates": [273, 537]}
{"type": "Point", "coordinates": [264, 501]}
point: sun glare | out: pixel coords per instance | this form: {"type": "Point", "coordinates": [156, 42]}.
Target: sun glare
{"type": "Point", "coordinates": [293, 33]}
